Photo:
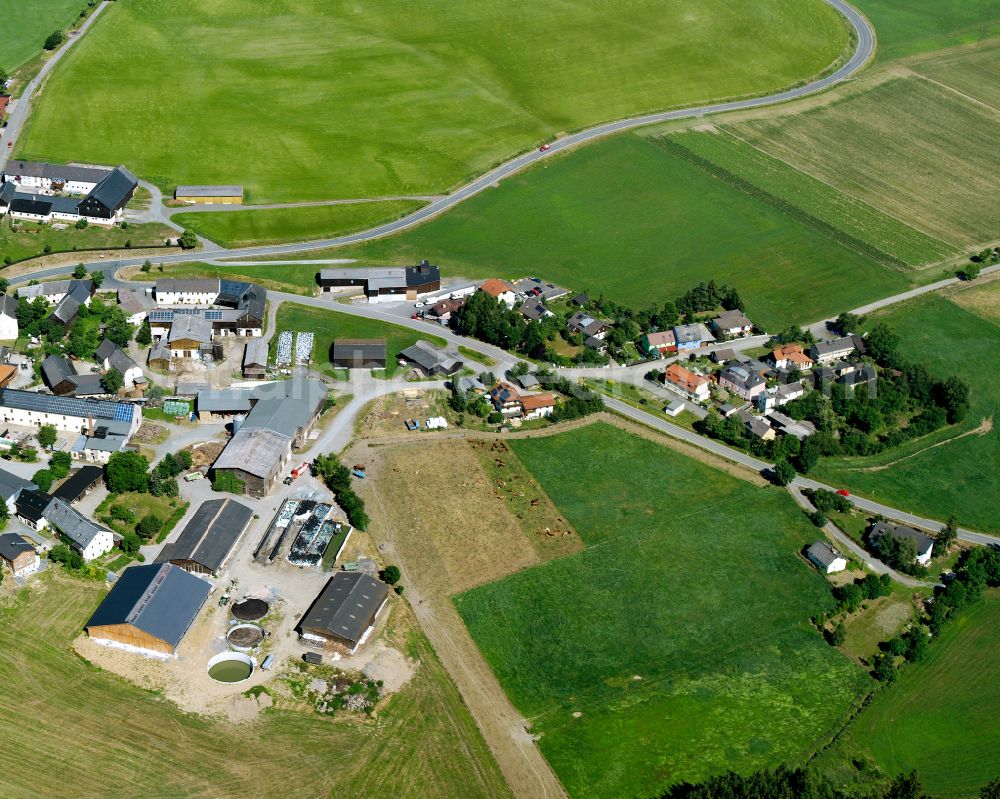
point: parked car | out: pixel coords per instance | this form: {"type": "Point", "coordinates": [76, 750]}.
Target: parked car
{"type": "Point", "coordinates": [544, 147]}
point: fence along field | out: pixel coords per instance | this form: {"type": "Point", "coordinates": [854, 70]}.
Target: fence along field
{"type": "Point", "coordinates": [677, 644]}
{"type": "Point", "coordinates": [325, 99]}
{"type": "Point", "coordinates": [847, 220]}
{"type": "Point", "coordinates": [913, 149]}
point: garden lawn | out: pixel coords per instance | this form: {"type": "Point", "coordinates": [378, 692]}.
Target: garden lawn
{"type": "Point", "coordinates": [905, 27]}
{"type": "Point", "coordinates": [324, 99]}
{"type": "Point", "coordinates": [31, 239]}
{"type": "Point", "coordinates": [330, 325]}
{"type": "Point", "coordinates": [168, 509]}
{"type": "Point", "coordinates": [27, 23]}
{"type": "Point", "coordinates": [959, 475]}
{"type": "Point", "coordinates": [940, 717]}
{"type": "Point", "coordinates": [625, 218]}
{"type": "Point", "coordinates": [280, 225]}
{"type": "Point", "coordinates": [112, 736]}
{"type": "Point", "coordinates": [677, 645]}
{"type": "Point", "coordinates": [908, 147]}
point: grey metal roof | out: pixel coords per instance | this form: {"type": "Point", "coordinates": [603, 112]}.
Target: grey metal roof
{"type": "Point", "coordinates": [731, 319]}
{"type": "Point", "coordinates": [424, 356]}
{"type": "Point", "coordinates": [90, 385]}
{"type": "Point", "coordinates": [822, 553]}
{"type": "Point", "coordinates": [688, 334]}
{"type": "Point", "coordinates": [255, 353]}
{"type": "Point", "coordinates": [115, 356]}
{"type": "Point", "coordinates": [195, 328]}
{"type": "Point", "coordinates": [63, 172]}
{"type": "Point", "coordinates": [114, 189]}
{"type": "Point", "coordinates": [132, 301]}
{"type": "Point", "coordinates": [66, 406]}
{"type": "Point", "coordinates": [383, 276]}
{"type": "Point", "coordinates": [78, 482]}
{"type": "Point", "coordinates": [209, 191]}
{"type": "Point", "coordinates": [286, 406]}
{"type": "Point", "coordinates": [210, 535]}
{"type": "Point", "coordinates": [234, 400]}
{"type": "Point", "coordinates": [842, 344]}
{"type": "Point", "coordinates": [160, 599]}
{"type": "Point", "coordinates": [158, 352]}
{"type": "Point", "coordinates": [919, 539]}
{"type": "Point", "coordinates": [55, 370]}
{"type": "Point", "coordinates": [369, 349]}
{"type": "Point", "coordinates": [346, 605]}
{"type": "Point", "coordinates": [257, 452]}
{"type": "Point", "coordinates": [12, 545]}
{"type": "Point", "coordinates": [8, 305]}
{"type": "Point", "coordinates": [11, 484]}
{"type": "Point", "coordinates": [187, 285]}
{"type": "Point", "coordinates": [71, 523]}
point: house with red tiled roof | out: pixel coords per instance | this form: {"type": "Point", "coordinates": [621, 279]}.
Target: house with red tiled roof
{"type": "Point", "coordinates": [500, 290]}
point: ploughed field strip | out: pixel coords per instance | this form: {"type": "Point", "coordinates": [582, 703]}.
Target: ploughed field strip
{"type": "Point", "coordinates": [371, 102]}
{"type": "Point", "coordinates": [677, 644]}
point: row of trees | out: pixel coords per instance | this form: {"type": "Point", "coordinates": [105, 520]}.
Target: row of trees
{"type": "Point", "coordinates": [700, 299]}
{"type": "Point", "coordinates": [338, 479]}
{"type": "Point", "coordinates": [129, 471]}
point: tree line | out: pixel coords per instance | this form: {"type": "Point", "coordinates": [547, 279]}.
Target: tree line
{"type": "Point", "coordinates": [338, 479]}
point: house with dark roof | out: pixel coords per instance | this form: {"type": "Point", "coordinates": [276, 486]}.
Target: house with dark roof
{"type": "Point", "coordinates": [58, 374]}
{"type": "Point", "coordinates": [825, 558]}
{"type": "Point", "coordinates": [506, 399]}
{"type": "Point", "coordinates": [209, 538]}
{"type": "Point", "coordinates": [149, 609]}
{"type": "Point", "coordinates": [79, 484]}
{"type": "Point", "coordinates": [111, 356]}
{"type": "Point", "coordinates": [8, 317]}
{"type": "Point", "coordinates": [534, 310]}
{"type": "Point", "coordinates": [30, 508]}
{"type": "Point", "coordinates": [359, 353]}
{"type": "Point", "coordinates": [108, 198]}
{"type": "Point", "coordinates": [429, 360]}
{"type": "Point", "coordinates": [103, 204]}
{"type": "Point", "coordinates": [67, 309]}
{"type": "Point", "coordinates": [41, 176]}
{"type": "Point", "coordinates": [864, 376]}
{"type": "Point", "coordinates": [583, 324]}
{"type": "Point", "coordinates": [732, 324]}
{"type": "Point", "coordinates": [18, 555]}
{"type": "Point", "coordinates": [11, 487]}
{"type": "Point", "coordinates": [923, 544]}
{"type": "Point", "coordinates": [741, 381]}
{"type": "Point", "coordinates": [345, 611]}
{"type": "Point", "coordinates": [87, 537]}
{"type": "Point", "coordinates": [833, 350]}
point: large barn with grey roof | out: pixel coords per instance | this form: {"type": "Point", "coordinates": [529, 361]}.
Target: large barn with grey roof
{"type": "Point", "coordinates": [344, 611]}
{"type": "Point", "coordinates": [149, 609]}
{"type": "Point", "coordinates": [207, 541]}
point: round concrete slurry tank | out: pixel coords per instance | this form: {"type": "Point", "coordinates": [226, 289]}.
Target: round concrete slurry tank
{"type": "Point", "coordinates": [230, 667]}
{"type": "Point", "coordinates": [251, 609]}
{"type": "Point", "coordinates": [245, 637]}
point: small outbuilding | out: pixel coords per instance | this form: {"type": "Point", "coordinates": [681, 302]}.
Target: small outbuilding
{"type": "Point", "coordinates": [345, 611]}
{"type": "Point", "coordinates": [149, 609]}
{"type": "Point", "coordinates": [210, 195]}
{"type": "Point", "coordinates": [359, 353]}
{"type": "Point", "coordinates": [79, 484]}
{"type": "Point", "coordinates": [825, 558]}
{"type": "Point", "coordinates": [255, 359]}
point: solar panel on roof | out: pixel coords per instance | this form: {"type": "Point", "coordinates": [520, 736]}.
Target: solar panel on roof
{"type": "Point", "coordinates": [213, 315]}
{"type": "Point", "coordinates": [123, 412]}
{"type": "Point", "coordinates": [161, 316]}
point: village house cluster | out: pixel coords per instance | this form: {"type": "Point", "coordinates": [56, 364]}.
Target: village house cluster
{"type": "Point", "coordinates": [38, 192]}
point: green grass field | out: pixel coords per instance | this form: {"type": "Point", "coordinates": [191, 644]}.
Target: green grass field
{"type": "Point", "coordinates": [906, 27]}
{"type": "Point", "coordinates": [642, 225]}
{"type": "Point", "coordinates": [280, 225]}
{"type": "Point", "coordinates": [329, 325]}
{"type": "Point", "coordinates": [912, 149]}
{"type": "Point", "coordinates": [332, 99]}
{"type": "Point", "coordinates": [957, 476]}
{"type": "Point", "coordinates": [30, 239]}
{"type": "Point", "coordinates": [677, 644]}
{"type": "Point", "coordinates": [940, 717]}
{"type": "Point", "coordinates": [293, 278]}
{"type": "Point", "coordinates": [113, 739]}
{"type": "Point", "coordinates": [26, 23]}
{"type": "Point", "coordinates": [834, 214]}
{"type": "Point", "coordinates": [975, 73]}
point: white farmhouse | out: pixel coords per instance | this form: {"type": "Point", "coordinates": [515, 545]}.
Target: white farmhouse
{"type": "Point", "coordinates": [826, 558]}
{"type": "Point", "coordinates": [8, 317]}
{"type": "Point", "coordinates": [88, 538]}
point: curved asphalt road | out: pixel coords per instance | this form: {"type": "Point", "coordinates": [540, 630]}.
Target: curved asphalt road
{"type": "Point", "coordinates": [865, 38]}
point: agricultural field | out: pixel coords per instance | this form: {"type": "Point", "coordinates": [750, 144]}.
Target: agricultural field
{"type": "Point", "coordinates": [424, 743]}
{"type": "Point", "coordinates": [326, 100]}
{"type": "Point", "coordinates": [906, 28]}
{"type": "Point", "coordinates": [26, 23]}
{"type": "Point", "coordinates": [627, 218]}
{"type": "Point", "coordinates": [328, 325]}
{"type": "Point", "coordinates": [974, 73]}
{"type": "Point", "coordinates": [948, 471]}
{"type": "Point", "coordinates": [940, 717]}
{"type": "Point", "coordinates": [719, 669]}
{"type": "Point", "coordinates": [833, 214]}
{"type": "Point", "coordinates": [30, 239]}
{"type": "Point", "coordinates": [910, 148]}
{"type": "Point", "coordinates": [280, 225]}
{"type": "Point", "coordinates": [291, 278]}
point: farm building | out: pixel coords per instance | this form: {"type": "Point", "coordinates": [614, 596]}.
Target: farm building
{"type": "Point", "coordinates": [344, 611]}
{"type": "Point", "coordinates": [88, 538]}
{"type": "Point", "coordinates": [210, 195]}
{"type": "Point", "coordinates": [11, 487]}
{"type": "Point", "coordinates": [359, 353]}
{"type": "Point", "coordinates": [103, 204]}
{"type": "Point", "coordinates": [429, 360]}
{"type": "Point", "coordinates": [384, 283]}
{"type": "Point", "coordinates": [8, 317]}
{"type": "Point", "coordinates": [255, 359]}
{"type": "Point", "coordinates": [207, 541]}
{"type": "Point", "coordinates": [18, 555]}
{"type": "Point", "coordinates": [149, 609]}
{"type": "Point", "coordinates": [79, 484]}
{"type": "Point", "coordinates": [30, 509]}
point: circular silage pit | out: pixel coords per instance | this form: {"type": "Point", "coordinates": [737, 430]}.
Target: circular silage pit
{"type": "Point", "coordinates": [245, 636]}
{"type": "Point", "coordinates": [251, 609]}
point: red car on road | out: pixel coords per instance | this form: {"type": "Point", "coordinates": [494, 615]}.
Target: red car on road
{"type": "Point", "coordinates": [844, 492]}
{"type": "Point", "coordinates": [544, 147]}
